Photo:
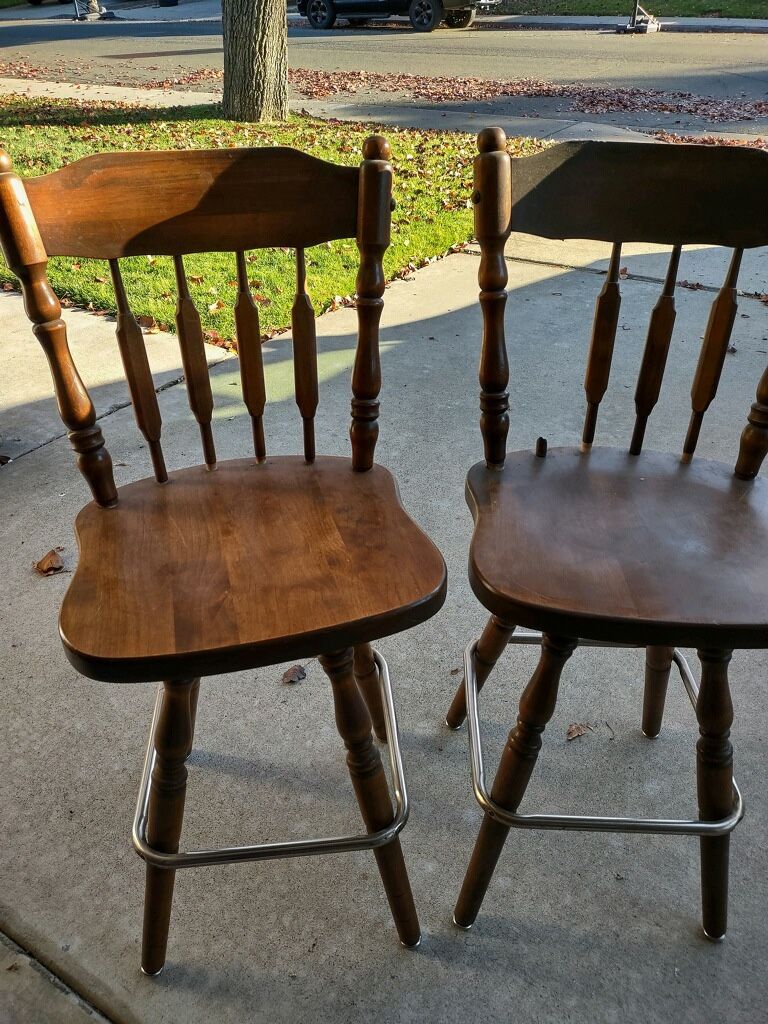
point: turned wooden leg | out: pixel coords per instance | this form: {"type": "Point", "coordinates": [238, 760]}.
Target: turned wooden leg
{"type": "Point", "coordinates": [490, 647]}
{"type": "Point", "coordinates": [370, 783]}
{"type": "Point", "coordinates": [194, 693]}
{"type": "Point", "coordinates": [367, 676]}
{"type": "Point", "coordinates": [714, 763]}
{"type": "Point", "coordinates": [517, 760]}
{"type": "Point", "coordinates": [173, 743]}
{"type": "Point", "coordinates": [658, 663]}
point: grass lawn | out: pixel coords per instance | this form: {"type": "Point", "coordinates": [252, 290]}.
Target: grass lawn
{"type": "Point", "coordinates": [432, 207]}
{"type": "Point", "coordinates": [661, 8]}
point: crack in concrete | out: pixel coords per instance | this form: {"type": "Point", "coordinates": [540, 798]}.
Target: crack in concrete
{"type": "Point", "coordinates": [54, 980]}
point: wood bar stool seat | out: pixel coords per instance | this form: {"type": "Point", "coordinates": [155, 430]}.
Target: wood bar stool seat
{"type": "Point", "coordinates": [238, 564]}
{"type": "Point", "coordinates": [571, 544]}
{"type": "Point", "coordinates": [611, 546]}
{"type": "Point", "coordinates": [251, 564]}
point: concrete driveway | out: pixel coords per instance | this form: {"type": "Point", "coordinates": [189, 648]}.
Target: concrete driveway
{"type": "Point", "coordinates": [578, 928]}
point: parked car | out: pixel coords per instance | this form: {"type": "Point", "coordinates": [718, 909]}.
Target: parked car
{"type": "Point", "coordinates": [425, 15]}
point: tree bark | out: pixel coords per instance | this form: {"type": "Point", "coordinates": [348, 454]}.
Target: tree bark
{"type": "Point", "coordinates": [255, 44]}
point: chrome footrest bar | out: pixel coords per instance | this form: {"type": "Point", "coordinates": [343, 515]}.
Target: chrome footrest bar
{"type": "Point", "coordinates": [577, 822]}
{"type": "Point", "coordinates": [293, 848]}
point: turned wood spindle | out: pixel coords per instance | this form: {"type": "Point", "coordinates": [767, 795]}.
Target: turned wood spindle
{"type": "Point", "coordinates": [604, 324]}
{"type": "Point", "coordinates": [305, 356]}
{"type": "Point", "coordinates": [194, 361]}
{"type": "Point", "coordinates": [518, 759]}
{"type": "Point", "coordinates": [714, 783]}
{"type": "Point", "coordinates": [490, 647]}
{"type": "Point", "coordinates": [713, 351]}
{"type": "Point", "coordinates": [753, 446]}
{"type": "Point", "coordinates": [133, 353]}
{"type": "Point", "coordinates": [373, 231]}
{"type": "Point", "coordinates": [654, 362]}
{"type": "Point", "coordinates": [250, 355]}
{"type": "Point", "coordinates": [25, 254]}
{"type": "Point", "coordinates": [370, 784]}
{"type": "Point", "coordinates": [167, 794]}
{"type": "Point", "coordinates": [492, 199]}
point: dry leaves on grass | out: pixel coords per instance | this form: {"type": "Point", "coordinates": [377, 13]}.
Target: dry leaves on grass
{"type": "Point", "coordinates": [50, 564]}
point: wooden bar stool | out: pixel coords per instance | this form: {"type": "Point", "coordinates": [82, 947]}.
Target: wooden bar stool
{"type": "Point", "coordinates": [249, 562]}
{"type": "Point", "coordinates": [600, 546]}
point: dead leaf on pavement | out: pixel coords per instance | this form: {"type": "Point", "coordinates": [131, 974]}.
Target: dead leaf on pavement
{"type": "Point", "coordinates": [576, 729]}
{"type": "Point", "coordinates": [294, 674]}
{"type": "Point", "coordinates": [146, 321]}
{"type": "Point", "coordinates": [50, 564]}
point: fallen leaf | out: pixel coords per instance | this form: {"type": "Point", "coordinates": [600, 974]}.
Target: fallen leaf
{"type": "Point", "coordinates": [455, 671]}
{"type": "Point", "coordinates": [577, 729]}
{"type": "Point", "coordinates": [146, 321]}
{"type": "Point", "coordinates": [196, 278]}
{"type": "Point", "coordinates": [294, 674]}
{"type": "Point", "coordinates": [216, 306]}
{"type": "Point", "coordinates": [50, 564]}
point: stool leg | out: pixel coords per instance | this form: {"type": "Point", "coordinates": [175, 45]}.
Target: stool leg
{"type": "Point", "coordinates": [658, 663]}
{"type": "Point", "coordinates": [173, 743]}
{"type": "Point", "coordinates": [715, 786]}
{"type": "Point", "coordinates": [537, 705]}
{"type": "Point", "coordinates": [194, 693]}
{"type": "Point", "coordinates": [367, 676]}
{"type": "Point", "coordinates": [370, 783]}
{"type": "Point", "coordinates": [490, 647]}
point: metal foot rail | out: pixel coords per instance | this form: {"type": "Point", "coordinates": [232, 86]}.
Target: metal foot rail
{"type": "Point", "coordinates": [585, 823]}
{"type": "Point", "coordinates": [293, 848]}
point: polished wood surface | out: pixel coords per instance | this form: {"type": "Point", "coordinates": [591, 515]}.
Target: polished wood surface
{"type": "Point", "coordinates": [658, 665]}
{"type": "Point", "coordinates": [714, 777]}
{"type": "Point", "coordinates": [370, 784]}
{"type": "Point", "coordinates": [194, 361]}
{"type": "Point", "coordinates": [655, 354]}
{"type": "Point", "coordinates": [249, 565]}
{"type": "Point", "coordinates": [636, 547]}
{"type": "Point", "coordinates": [609, 546]}
{"type": "Point", "coordinates": [173, 745]}
{"type": "Point", "coordinates": [26, 256]}
{"type": "Point", "coordinates": [518, 760]}
{"type": "Point", "coordinates": [132, 204]}
{"type": "Point", "coordinates": [236, 564]}
{"type": "Point", "coordinates": [642, 192]}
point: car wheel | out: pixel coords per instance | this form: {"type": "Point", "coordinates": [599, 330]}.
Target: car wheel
{"type": "Point", "coordinates": [321, 13]}
{"type": "Point", "coordinates": [460, 19]}
{"type": "Point", "coordinates": [425, 15]}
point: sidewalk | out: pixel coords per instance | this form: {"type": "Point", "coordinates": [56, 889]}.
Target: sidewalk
{"type": "Point", "coordinates": [578, 927]}
{"type": "Point", "coordinates": [407, 115]}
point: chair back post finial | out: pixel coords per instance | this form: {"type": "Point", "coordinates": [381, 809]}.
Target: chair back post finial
{"type": "Point", "coordinates": [753, 446]}
{"type": "Point", "coordinates": [492, 199]}
{"type": "Point", "coordinates": [25, 254]}
{"type": "Point", "coordinates": [374, 214]}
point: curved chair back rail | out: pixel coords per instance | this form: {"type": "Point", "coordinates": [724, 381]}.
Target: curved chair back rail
{"type": "Point", "coordinates": [114, 205]}
{"type": "Point", "coordinates": [622, 192]}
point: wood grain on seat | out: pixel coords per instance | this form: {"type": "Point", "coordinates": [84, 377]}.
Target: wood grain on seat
{"type": "Point", "coordinates": [610, 546]}
{"type": "Point", "coordinates": [248, 565]}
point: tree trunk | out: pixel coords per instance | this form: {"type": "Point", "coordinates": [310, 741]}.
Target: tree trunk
{"type": "Point", "coordinates": [255, 43]}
